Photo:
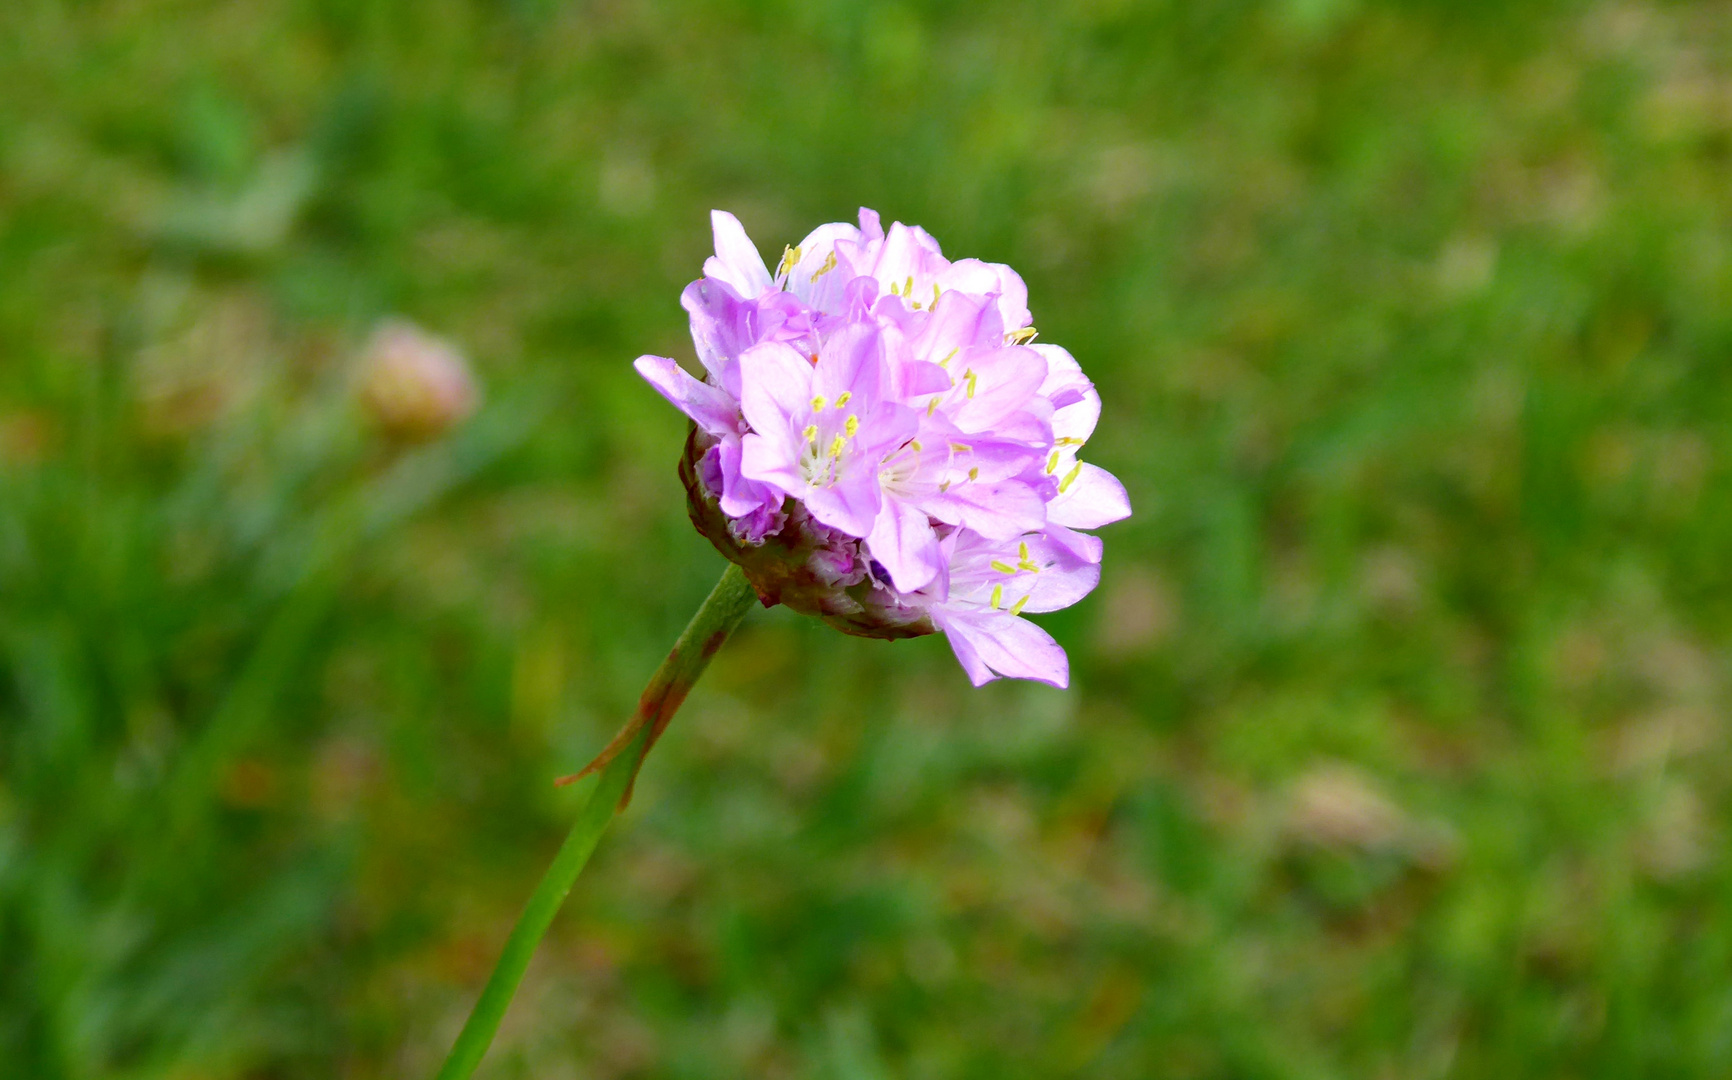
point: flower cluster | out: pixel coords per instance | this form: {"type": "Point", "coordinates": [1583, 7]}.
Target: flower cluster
{"type": "Point", "coordinates": [879, 441]}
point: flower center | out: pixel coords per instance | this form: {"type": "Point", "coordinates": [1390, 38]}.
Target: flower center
{"type": "Point", "coordinates": [823, 457]}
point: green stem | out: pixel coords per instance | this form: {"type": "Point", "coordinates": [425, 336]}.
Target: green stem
{"type": "Point", "coordinates": [727, 604]}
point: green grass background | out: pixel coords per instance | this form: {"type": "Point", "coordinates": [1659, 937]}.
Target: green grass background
{"type": "Point", "coordinates": [1397, 741]}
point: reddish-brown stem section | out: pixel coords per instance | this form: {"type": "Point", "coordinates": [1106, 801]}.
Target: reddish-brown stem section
{"type": "Point", "coordinates": [661, 699]}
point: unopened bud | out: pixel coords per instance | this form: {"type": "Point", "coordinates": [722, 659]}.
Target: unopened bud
{"type": "Point", "coordinates": [414, 385]}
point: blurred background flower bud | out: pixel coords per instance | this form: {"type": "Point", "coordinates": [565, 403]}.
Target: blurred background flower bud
{"type": "Point", "coordinates": [415, 386]}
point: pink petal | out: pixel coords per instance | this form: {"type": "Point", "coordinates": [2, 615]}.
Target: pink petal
{"type": "Point", "coordinates": [1007, 386]}
{"type": "Point", "coordinates": [851, 504]}
{"type": "Point", "coordinates": [768, 461]}
{"type": "Point", "coordinates": [975, 276]}
{"type": "Point", "coordinates": [1007, 644]}
{"type": "Point", "coordinates": [958, 321]}
{"type": "Point", "coordinates": [1077, 420]}
{"type": "Point", "coordinates": [776, 386]}
{"type": "Point", "coordinates": [1093, 499]}
{"type": "Point", "coordinates": [908, 251]}
{"type": "Point", "coordinates": [902, 539]}
{"type": "Point", "coordinates": [1000, 511]}
{"type": "Point", "coordinates": [851, 362]}
{"type": "Point", "coordinates": [1080, 545]}
{"type": "Point", "coordinates": [722, 325]}
{"type": "Point", "coordinates": [736, 261]}
{"type": "Point", "coordinates": [1065, 381]}
{"type": "Point", "coordinates": [870, 229]}
{"type": "Point", "coordinates": [1058, 587]}
{"type": "Point", "coordinates": [818, 278]}
{"type": "Point", "coordinates": [919, 379]}
{"type": "Point", "coordinates": [962, 645]}
{"type": "Point", "coordinates": [740, 496]}
{"type": "Point", "coordinates": [708, 406]}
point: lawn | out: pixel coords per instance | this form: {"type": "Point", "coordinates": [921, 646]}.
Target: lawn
{"type": "Point", "coordinates": [1397, 745]}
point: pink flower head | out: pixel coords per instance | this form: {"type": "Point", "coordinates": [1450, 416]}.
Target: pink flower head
{"type": "Point", "coordinates": [878, 442]}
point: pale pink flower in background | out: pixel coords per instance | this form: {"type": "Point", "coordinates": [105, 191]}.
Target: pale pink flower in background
{"type": "Point", "coordinates": [415, 385]}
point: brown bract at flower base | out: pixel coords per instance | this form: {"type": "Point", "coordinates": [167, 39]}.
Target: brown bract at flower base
{"type": "Point", "coordinates": [796, 565]}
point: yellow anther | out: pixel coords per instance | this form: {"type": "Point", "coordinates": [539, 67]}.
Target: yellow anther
{"type": "Point", "coordinates": [836, 446]}
{"type": "Point", "coordinates": [811, 434]}
{"type": "Point", "coordinates": [972, 380]}
{"type": "Point", "coordinates": [851, 426]}
{"type": "Point", "coordinates": [947, 359]}
{"type": "Point", "coordinates": [1019, 337]}
{"type": "Point", "coordinates": [934, 295]}
{"type": "Point", "coordinates": [997, 596]}
{"type": "Point", "coordinates": [1052, 463]}
{"type": "Point", "coordinates": [1022, 551]}
{"type": "Point", "coordinates": [818, 403]}
{"type": "Point", "coordinates": [1068, 440]}
{"type": "Point", "coordinates": [790, 257]}
{"type": "Point", "coordinates": [895, 289]}
{"type": "Point", "coordinates": [908, 289]}
{"type": "Point", "coordinates": [915, 305]}
{"type": "Point", "coordinates": [1016, 608]}
{"type": "Point", "coordinates": [1003, 567]}
{"type": "Point", "coordinates": [974, 473]}
{"type": "Point", "coordinates": [844, 398]}
{"type": "Point", "coordinates": [931, 405]}
{"type": "Point", "coordinates": [914, 444]}
{"type": "Point", "coordinates": [961, 448]}
{"type": "Point", "coordinates": [829, 265]}
{"type": "Point", "coordinates": [1070, 478]}
{"type": "Point", "coordinates": [942, 488]}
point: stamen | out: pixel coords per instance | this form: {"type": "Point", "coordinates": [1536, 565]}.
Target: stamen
{"type": "Point", "coordinates": [790, 257]}
{"type": "Point", "coordinates": [1003, 567]}
{"type": "Point", "coordinates": [1068, 440]}
{"type": "Point", "coordinates": [811, 434]}
{"type": "Point", "coordinates": [1022, 551]}
{"type": "Point", "coordinates": [914, 445]}
{"type": "Point", "coordinates": [851, 426]}
{"type": "Point", "coordinates": [934, 295]}
{"type": "Point", "coordinates": [844, 398]}
{"type": "Point", "coordinates": [942, 488]}
{"type": "Point", "coordinates": [997, 596]}
{"type": "Point", "coordinates": [1069, 478]}
{"type": "Point", "coordinates": [836, 446]}
{"type": "Point", "coordinates": [908, 289]}
{"type": "Point", "coordinates": [947, 359]}
{"type": "Point", "coordinates": [931, 405]}
{"type": "Point", "coordinates": [974, 473]}
{"type": "Point", "coordinates": [1052, 463]}
{"type": "Point", "coordinates": [818, 403]}
{"type": "Point", "coordinates": [1016, 608]}
{"type": "Point", "coordinates": [972, 378]}
{"type": "Point", "coordinates": [829, 265]}
{"type": "Point", "coordinates": [1022, 336]}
